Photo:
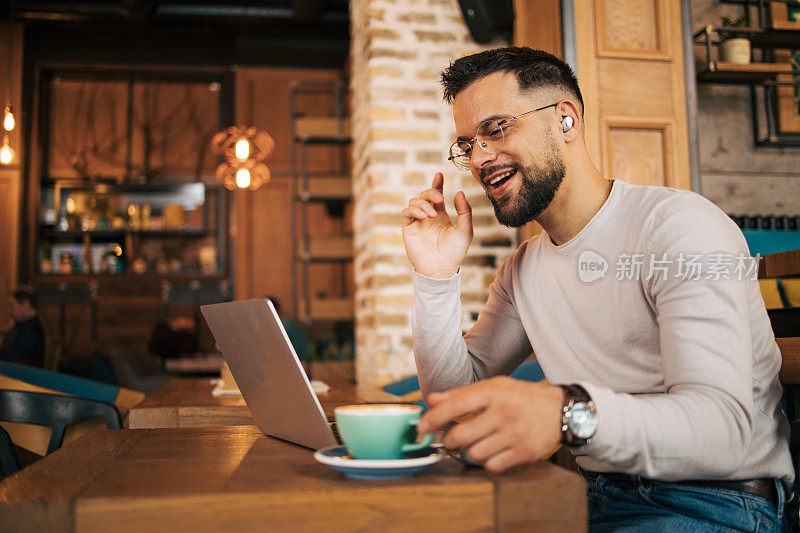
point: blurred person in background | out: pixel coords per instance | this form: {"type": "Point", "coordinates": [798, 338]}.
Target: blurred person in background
{"type": "Point", "coordinates": [176, 336]}
{"type": "Point", "coordinates": [24, 343]}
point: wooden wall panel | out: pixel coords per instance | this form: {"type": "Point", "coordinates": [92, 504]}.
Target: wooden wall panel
{"type": "Point", "coordinates": [264, 242]}
{"type": "Point", "coordinates": [263, 231]}
{"type": "Point", "coordinates": [630, 68]}
{"type": "Point", "coordinates": [628, 27]}
{"type": "Point", "coordinates": [624, 84]}
{"type": "Point", "coordinates": [652, 145]}
{"type": "Point", "coordinates": [262, 98]}
{"type": "Point", "coordinates": [11, 175]}
{"type": "Point", "coordinates": [537, 24]}
{"type": "Point", "coordinates": [9, 223]}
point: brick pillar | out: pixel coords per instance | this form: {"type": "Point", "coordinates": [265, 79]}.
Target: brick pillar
{"type": "Point", "coordinates": [401, 133]}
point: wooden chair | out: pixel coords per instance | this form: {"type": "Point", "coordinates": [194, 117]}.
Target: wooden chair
{"type": "Point", "coordinates": [790, 374]}
{"type": "Point", "coordinates": [52, 354]}
{"type": "Point", "coordinates": [790, 378]}
{"type": "Point", "coordinates": [54, 411]}
{"type": "Point", "coordinates": [8, 457]}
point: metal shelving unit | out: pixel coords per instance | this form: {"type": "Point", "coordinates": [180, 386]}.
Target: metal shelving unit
{"type": "Point", "coordinates": [331, 188]}
{"type": "Point", "coordinates": [763, 77]}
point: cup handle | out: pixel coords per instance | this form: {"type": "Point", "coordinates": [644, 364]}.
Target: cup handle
{"type": "Point", "coordinates": [414, 446]}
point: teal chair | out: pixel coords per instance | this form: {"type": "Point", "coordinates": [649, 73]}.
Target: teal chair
{"type": "Point", "coordinates": [65, 383]}
{"type": "Point", "coordinates": [409, 389]}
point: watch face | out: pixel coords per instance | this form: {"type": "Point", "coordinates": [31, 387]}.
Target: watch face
{"type": "Point", "coordinates": [582, 421]}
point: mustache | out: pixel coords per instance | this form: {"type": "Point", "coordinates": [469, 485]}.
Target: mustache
{"type": "Point", "coordinates": [494, 168]}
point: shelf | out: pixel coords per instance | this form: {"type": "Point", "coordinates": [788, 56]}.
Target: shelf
{"type": "Point", "coordinates": [784, 34]}
{"type": "Point", "coordinates": [330, 309]}
{"type": "Point", "coordinates": [786, 25]}
{"type": "Point", "coordinates": [328, 188]}
{"type": "Point", "coordinates": [321, 121]}
{"type": "Point", "coordinates": [84, 277]}
{"type": "Point", "coordinates": [114, 186]}
{"type": "Point", "coordinates": [311, 127]}
{"type": "Point", "coordinates": [321, 139]}
{"type": "Point", "coordinates": [732, 73]}
{"type": "Point", "coordinates": [324, 249]}
{"type": "Point", "coordinates": [113, 234]}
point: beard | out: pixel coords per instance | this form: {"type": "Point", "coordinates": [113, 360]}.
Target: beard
{"type": "Point", "coordinates": [537, 190]}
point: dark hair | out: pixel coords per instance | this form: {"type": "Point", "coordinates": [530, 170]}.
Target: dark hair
{"type": "Point", "coordinates": [25, 293]}
{"type": "Point", "coordinates": [533, 69]}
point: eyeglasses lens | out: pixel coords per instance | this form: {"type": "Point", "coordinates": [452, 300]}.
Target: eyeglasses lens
{"type": "Point", "coordinates": [489, 138]}
{"type": "Point", "coordinates": [459, 154]}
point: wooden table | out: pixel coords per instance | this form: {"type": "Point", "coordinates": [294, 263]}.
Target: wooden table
{"type": "Point", "coordinates": [188, 402]}
{"type": "Point", "coordinates": [201, 364]}
{"type": "Point", "coordinates": [235, 478]}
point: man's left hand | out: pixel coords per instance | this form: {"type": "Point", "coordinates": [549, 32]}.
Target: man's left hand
{"type": "Point", "coordinates": [514, 421]}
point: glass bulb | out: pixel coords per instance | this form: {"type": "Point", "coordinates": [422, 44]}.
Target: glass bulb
{"type": "Point", "coordinates": [8, 120]}
{"type": "Point", "coordinates": [242, 149]}
{"type": "Point", "coordinates": [243, 178]}
{"type": "Point", "coordinates": [71, 207]}
{"type": "Point", "coordinates": [6, 153]}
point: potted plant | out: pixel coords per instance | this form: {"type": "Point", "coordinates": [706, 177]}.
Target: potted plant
{"type": "Point", "coordinates": [734, 44]}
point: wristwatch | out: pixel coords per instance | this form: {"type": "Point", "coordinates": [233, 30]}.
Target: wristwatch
{"type": "Point", "coordinates": [578, 417]}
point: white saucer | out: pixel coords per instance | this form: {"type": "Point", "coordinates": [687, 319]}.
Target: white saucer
{"type": "Point", "coordinates": [337, 458]}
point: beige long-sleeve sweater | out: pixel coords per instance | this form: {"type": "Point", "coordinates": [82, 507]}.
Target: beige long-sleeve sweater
{"type": "Point", "coordinates": [672, 340]}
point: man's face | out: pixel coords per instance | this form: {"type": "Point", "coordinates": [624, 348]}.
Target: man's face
{"type": "Point", "coordinates": [17, 310]}
{"type": "Point", "coordinates": [529, 162]}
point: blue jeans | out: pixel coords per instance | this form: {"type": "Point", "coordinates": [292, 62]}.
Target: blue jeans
{"type": "Point", "coordinates": [647, 505]}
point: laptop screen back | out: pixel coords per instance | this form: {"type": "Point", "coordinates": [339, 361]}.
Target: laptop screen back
{"type": "Point", "coordinates": [268, 372]}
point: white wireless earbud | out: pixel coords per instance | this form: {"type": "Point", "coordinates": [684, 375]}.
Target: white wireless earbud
{"type": "Point", "coordinates": [566, 124]}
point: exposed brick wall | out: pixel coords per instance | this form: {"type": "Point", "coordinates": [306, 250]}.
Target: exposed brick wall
{"type": "Point", "coordinates": [401, 133]}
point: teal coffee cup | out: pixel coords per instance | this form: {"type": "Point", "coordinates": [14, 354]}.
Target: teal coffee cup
{"type": "Point", "coordinates": [380, 431]}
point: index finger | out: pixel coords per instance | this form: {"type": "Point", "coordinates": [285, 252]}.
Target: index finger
{"type": "Point", "coordinates": [445, 407]}
{"type": "Point", "coordinates": [438, 182]}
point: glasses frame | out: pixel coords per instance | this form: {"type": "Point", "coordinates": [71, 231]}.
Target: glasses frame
{"type": "Point", "coordinates": [471, 142]}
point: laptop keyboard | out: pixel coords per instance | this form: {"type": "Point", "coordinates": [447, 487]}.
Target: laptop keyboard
{"type": "Point", "coordinates": [335, 428]}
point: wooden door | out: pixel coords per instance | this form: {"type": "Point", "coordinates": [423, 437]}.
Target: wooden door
{"type": "Point", "coordinates": [631, 73]}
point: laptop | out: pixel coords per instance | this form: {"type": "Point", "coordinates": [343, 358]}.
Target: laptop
{"type": "Point", "coordinates": [268, 372]}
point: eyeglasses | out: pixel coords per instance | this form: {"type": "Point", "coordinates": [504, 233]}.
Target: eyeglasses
{"type": "Point", "coordinates": [490, 137]}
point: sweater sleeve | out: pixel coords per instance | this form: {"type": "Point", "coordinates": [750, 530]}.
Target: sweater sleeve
{"type": "Point", "coordinates": [445, 359]}
{"type": "Point", "coordinates": [701, 425]}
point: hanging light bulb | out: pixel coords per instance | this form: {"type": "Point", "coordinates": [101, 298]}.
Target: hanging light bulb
{"type": "Point", "coordinates": [242, 149]}
{"type": "Point", "coordinates": [243, 178]}
{"type": "Point", "coordinates": [6, 153]}
{"type": "Point", "coordinates": [8, 119]}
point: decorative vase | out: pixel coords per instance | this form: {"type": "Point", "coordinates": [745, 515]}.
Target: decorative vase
{"type": "Point", "coordinates": [735, 51]}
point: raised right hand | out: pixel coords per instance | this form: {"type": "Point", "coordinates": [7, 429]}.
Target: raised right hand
{"type": "Point", "coordinates": [434, 245]}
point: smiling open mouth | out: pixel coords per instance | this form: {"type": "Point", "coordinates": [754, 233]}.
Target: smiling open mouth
{"type": "Point", "coordinates": [500, 179]}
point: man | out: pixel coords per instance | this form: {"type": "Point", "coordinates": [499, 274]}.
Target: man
{"type": "Point", "coordinates": [663, 384]}
{"type": "Point", "coordinates": [24, 343]}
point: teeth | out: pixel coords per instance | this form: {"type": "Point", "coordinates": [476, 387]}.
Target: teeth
{"type": "Point", "coordinates": [501, 177]}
